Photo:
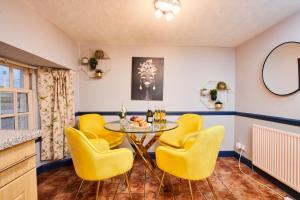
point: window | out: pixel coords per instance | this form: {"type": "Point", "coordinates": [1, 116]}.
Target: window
{"type": "Point", "coordinates": [15, 97]}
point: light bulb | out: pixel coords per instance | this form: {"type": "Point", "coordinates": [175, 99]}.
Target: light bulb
{"type": "Point", "coordinates": [158, 13]}
{"type": "Point", "coordinates": [169, 16]}
{"type": "Point", "coordinates": [157, 4]}
{"type": "Point", "coordinates": [176, 8]}
{"type": "Point", "coordinates": [169, 7]}
{"type": "Point", "coordinates": [163, 6]}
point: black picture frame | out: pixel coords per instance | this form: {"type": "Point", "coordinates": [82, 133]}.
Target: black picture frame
{"type": "Point", "coordinates": [147, 85]}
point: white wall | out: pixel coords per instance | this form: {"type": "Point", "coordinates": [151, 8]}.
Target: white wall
{"type": "Point", "coordinates": [21, 27]}
{"type": "Point", "coordinates": [24, 29]}
{"type": "Point", "coordinates": [251, 94]}
{"type": "Point", "coordinates": [186, 70]}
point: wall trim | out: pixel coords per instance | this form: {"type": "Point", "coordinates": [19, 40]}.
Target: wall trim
{"type": "Point", "coordinates": [53, 165]}
{"type": "Point", "coordinates": [79, 113]}
{"type": "Point", "coordinates": [270, 178]}
{"type": "Point", "coordinates": [281, 120]}
{"type": "Point", "coordinates": [277, 119]}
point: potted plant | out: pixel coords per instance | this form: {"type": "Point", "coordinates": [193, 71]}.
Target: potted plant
{"type": "Point", "coordinates": [93, 63]}
{"type": "Point", "coordinates": [221, 85]}
{"type": "Point", "coordinates": [213, 94]}
{"type": "Point", "coordinates": [218, 105]}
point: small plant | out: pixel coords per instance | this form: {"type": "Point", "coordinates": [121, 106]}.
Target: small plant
{"type": "Point", "coordinates": [93, 63]}
{"type": "Point", "coordinates": [213, 94]}
{"type": "Point", "coordinates": [221, 85]}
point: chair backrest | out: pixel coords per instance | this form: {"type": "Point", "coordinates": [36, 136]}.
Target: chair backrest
{"type": "Point", "coordinates": [203, 153]}
{"type": "Point", "coordinates": [91, 122]}
{"type": "Point", "coordinates": [188, 123]}
{"type": "Point", "coordinates": [82, 153]}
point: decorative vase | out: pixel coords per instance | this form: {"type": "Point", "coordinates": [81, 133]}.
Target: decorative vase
{"type": "Point", "coordinates": [84, 61]}
{"type": "Point", "coordinates": [204, 92]}
{"type": "Point", "coordinates": [98, 74]}
{"type": "Point", "coordinates": [218, 105]}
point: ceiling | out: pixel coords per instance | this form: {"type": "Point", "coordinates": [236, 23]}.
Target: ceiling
{"type": "Point", "coordinates": [224, 23]}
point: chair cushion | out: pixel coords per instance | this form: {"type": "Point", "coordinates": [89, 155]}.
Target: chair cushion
{"type": "Point", "coordinates": [100, 144]}
{"type": "Point", "coordinates": [114, 139]}
{"type": "Point", "coordinates": [170, 139]}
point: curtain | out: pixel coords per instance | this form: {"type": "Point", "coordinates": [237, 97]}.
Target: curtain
{"type": "Point", "coordinates": [56, 107]}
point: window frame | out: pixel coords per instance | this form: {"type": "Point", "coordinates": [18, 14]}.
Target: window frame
{"type": "Point", "coordinates": [27, 74]}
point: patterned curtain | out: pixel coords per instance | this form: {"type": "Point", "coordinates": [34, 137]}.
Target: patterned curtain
{"type": "Point", "coordinates": [56, 106]}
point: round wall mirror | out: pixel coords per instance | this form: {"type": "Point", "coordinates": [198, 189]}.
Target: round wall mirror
{"type": "Point", "coordinates": [281, 69]}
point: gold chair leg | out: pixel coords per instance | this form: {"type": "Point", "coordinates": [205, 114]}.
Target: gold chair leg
{"type": "Point", "coordinates": [79, 189]}
{"type": "Point", "coordinates": [171, 186]}
{"type": "Point", "coordinates": [191, 191]}
{"type": "Point", "coordinates": [117, 188]}
{"type": "Point", "coordinates": [128, 184]}
{"type": "Point", "coordinates": [98, 186]}
{"type": "Point", "coordinates": [161, 182]}
{"type": "Point", "coordinates": [211, 188]}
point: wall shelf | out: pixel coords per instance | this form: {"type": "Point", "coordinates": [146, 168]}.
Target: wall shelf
{"type": "Point", "coordinates": [222, 95]}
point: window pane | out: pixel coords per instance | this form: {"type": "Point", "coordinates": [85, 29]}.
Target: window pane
{"type": "Point", "coordinates": [6, 101]}
{"type": "Point", "coordinates": [4, 76]}
{"type": "Point", "coordinates": [22, 103]}
{"type": "Point", "coordinates": [23, 122]}
{"type": "Point", "coordinates": [18, 78]}
{"type": "Point", "coordinates": [8, 123]}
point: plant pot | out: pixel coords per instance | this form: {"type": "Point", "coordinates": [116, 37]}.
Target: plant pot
{"type": "Point", "coordinates": [204, 92]}
{"type": "Point", "coordinates": [218, 105]}
{"type": "Point", "coordinates": [99, 54]}
{"type": "Point", "coordinates": [213, 97]}
{"type": "Point", "coordinates": [93, 66]}
{"type": "Point", "coordinates": [222, 86]}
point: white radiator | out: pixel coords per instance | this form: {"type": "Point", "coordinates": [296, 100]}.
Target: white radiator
{"type": "Point", "coordinates": [277, 152]}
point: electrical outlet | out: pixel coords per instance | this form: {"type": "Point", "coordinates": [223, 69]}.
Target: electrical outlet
{"type": "Point", "coordinates": [238, 145]}
{"type": "Point", "coordinates": [243, 147]}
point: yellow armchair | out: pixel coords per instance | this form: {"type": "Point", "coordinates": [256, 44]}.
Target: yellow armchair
{"type": "Point", "coordinates": [197, 160]}
{"type": "Point", "coordinates": [92, 126]}
{"type": "Point", "coordinates": [94, 161]}
{"type": "Point", "coordinates": [188, 123]}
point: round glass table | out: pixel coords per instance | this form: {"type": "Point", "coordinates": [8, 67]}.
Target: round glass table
{"type": "Point", "coordinates": [137, 143]}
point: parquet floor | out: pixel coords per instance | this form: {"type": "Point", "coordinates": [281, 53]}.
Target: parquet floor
{"type": "Point", "coordinates": [227, 181]}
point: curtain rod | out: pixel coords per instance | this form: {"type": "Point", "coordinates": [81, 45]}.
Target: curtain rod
{"type": "Point", "coordinates": [8, 61]}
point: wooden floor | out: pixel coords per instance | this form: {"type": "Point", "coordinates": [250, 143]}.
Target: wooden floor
{"type": "Point", "coordinates": [227, 182]}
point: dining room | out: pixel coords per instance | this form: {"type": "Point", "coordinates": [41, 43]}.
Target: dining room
{"type": "Point", "coordinates": [156, 99]}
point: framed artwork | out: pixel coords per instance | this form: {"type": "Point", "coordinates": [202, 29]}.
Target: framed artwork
{"type": "Point", "coordinates": [147, 78]}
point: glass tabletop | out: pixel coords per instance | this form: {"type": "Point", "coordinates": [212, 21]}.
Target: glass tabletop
{"type": "Point", "coordinates": [117, 127]}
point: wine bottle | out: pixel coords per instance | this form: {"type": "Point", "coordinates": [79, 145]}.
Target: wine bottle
{"type": "Point", "coordinates": [149, 115]}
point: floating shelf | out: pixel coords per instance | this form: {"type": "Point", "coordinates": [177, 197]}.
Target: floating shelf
{"type": "Point", "coordinates": [222, 95]}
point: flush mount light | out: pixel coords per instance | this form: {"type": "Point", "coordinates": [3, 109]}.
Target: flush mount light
{"type": "Point", "coordinates": [167, 8]}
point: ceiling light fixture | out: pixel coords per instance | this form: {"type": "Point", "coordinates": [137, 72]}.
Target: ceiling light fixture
{"type": "Point", "coordinates": [168, 8]}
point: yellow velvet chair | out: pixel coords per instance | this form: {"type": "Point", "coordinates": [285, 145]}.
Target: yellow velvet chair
{"type": "Point", "coordinates": [196, 161]}
{"type": "Point", "coordinates": [188, 124]}
{"type": "Point", "coordinates": [94, 161]}
{"type": "Point", "coordinates": [92, 126]}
